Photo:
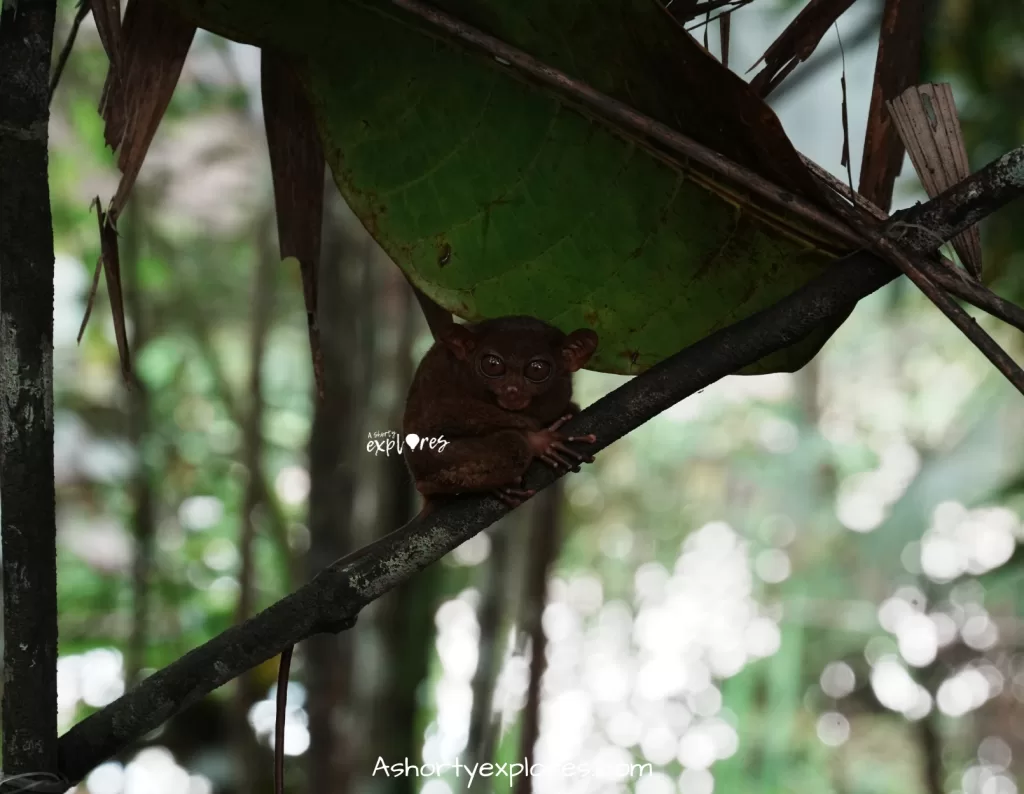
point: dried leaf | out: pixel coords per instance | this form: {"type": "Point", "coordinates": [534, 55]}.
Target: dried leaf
{"type": "Point", "coordinates": [91, 298]}
{"type": "Point", "coordinates": [80, 13]}
{"type": "Point", "coordinates": [146, 56]}
{"type": "Point", "coordinates": [153, 46]}
{"type": "Point", "coordinates": [927, 122]}
{"type": "Point", "coordinates": [110, 256]}
{"type": "Point", "coordinates": [107, 14]}
{"type": "Point", "coordinates": [724, 26]}
{"type": "Point", "coordinates": [297, 166]}
{"type": "Point", "coordinates": [796, 43]}
{"type": "Point", "coordinates": [683, 10]}
{"type": "Point", "coordinates": [898, 65]}
{"type": "Point", "coordinates": [845, 159]}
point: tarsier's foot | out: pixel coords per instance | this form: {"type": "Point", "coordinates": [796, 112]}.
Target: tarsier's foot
{"type": "Point", "coordinates": [550, 446]}
{"type": "Point", "coordinates": [513, 497]}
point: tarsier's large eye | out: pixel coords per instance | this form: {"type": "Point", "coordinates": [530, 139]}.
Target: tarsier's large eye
{"type": "Point", "coordinates": [538, 370]}
{"type": "Point", "coordinates": [492, 366]}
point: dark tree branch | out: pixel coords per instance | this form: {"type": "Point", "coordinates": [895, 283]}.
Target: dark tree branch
{"type": "Point", "coordinates": [29, 707]}
{"type": "Point", "coordinates": [968, 289]}
{"type": "Point", "coordinates": [332, 600]}
{"type": "Point", "coordinates": [80, 13]}
{"type": "Point", "coordinates": [926, 226]}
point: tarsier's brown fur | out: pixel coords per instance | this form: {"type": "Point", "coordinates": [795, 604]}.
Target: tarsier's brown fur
{"type": "Point", "coordinates": [497, 392]}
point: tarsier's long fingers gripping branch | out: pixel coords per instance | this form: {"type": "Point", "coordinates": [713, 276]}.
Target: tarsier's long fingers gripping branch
{"type": "Point", "coordinates": [550, 446]}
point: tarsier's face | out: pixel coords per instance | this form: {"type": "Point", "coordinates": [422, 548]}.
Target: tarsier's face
{"type": "Point", "coordinates": [517, 359]}
{"type": "Point", "coordinates": [515, 375]}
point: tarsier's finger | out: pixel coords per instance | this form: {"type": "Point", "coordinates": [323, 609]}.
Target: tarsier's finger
{"type": "Point", "coordinates": [506, 498]}
{"type": "Point", "coordinates": [551, 462]}
{"type": "Point", "coordinates": [559, 422]}
{"type": "Point", "coordinates": [555, 461]}
{"type": "Point", "coordinates": [590, 438]}
{"type": "Point", "coordinates": [519, 492]}
{"type": "Point", "coordinates": [564, 454]}
{"type": "Point", "coordinates": [585, 458]}
{"type": "Point", "coordinates": [558, 445]}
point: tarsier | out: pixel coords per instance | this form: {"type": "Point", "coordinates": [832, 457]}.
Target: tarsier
{"type": "Point", "coordinates": [498, 392]}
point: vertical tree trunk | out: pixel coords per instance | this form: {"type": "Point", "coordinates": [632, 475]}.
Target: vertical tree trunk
{"type": "Point", "coordinates": [494, 599]}
{"type": "Point", "coordinates": [143, 515]}
{"type": "Point", "coordinates": [403, 618]}
{"type": "Point", "coordinates": [931, 755]}
{"type": "Point", "coordinates": [545, 539]}
{"type": "Point", "coordinates": [254, 773]}
{"type": "Point", "coordinates": [333, 478]}
{"type": "Point", "coordinates": [26, 392]}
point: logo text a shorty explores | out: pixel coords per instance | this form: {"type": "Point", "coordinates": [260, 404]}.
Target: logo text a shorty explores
{"type": "Point", "coordinates": [384, 442]}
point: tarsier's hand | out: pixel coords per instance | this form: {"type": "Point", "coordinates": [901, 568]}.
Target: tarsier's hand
{"type": "Point", "coordinates": [513, 496]}
{"type": "Point", "coordinates": [550, 446]}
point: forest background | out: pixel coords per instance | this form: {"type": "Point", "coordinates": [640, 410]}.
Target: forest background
{"type": "Point", "coordinates": [803, 582]}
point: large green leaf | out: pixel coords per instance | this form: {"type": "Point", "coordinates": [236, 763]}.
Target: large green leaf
{"type": "Point", "coordinates": [497, 197]}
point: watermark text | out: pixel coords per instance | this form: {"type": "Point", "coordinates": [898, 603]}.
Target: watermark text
{"type": "Point", "coordinates": [511, 770]}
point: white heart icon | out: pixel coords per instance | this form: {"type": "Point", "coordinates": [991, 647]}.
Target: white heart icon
{"type": "Point", "coordinates": [412, 440]}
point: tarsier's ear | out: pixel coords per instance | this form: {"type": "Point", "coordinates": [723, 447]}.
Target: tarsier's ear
{"type": "Point", "coordinates": [459, 339]}
{"type": "Point", "coordinates": [577, 348]}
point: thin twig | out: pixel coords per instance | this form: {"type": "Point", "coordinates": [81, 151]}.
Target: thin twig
{"type": "Point", "coordinates": [845, 159]}
{"type": "Point", "coordinates": [961, 319]}
{"type": "Point", "coordinates": [836, 186]}
{"type": "Point", "coordinates": [62, 60]}
{"type": "Point", "coordinates": [960, 284]}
